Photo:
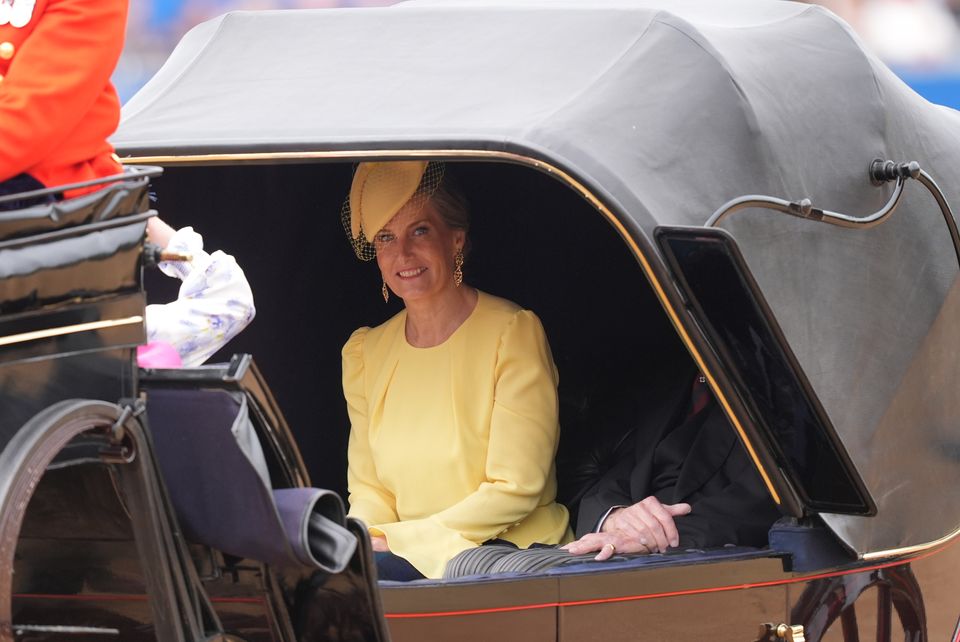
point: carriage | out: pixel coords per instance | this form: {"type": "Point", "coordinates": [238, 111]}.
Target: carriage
{"type": "Point", "coordinates": [739, 186]}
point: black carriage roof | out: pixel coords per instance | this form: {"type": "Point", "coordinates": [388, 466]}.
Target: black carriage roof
{"type": "Point", "coordinates": [471, 75]}
{"type": "Point", "coordinates": [664, 110]}
{"type": "Point", "coordinates": [642, 98]}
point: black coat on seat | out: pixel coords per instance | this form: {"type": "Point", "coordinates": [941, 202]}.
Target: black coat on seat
{"type": "Point", "coordinates": [711, 470]}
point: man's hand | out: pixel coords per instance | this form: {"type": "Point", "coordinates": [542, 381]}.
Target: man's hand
{"type": "Point", "coordinates": [649, 522]}
{"type": "Point", "coordinates": [379, 544]}
{"type": "Point", "coordinates": [645, 527]}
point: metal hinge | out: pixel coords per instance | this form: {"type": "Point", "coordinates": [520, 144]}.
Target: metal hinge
{"type": "Point", "coordinates": [777, 632]}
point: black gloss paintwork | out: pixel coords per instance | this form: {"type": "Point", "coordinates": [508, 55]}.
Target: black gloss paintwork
{"type": "Point", "coordinates": [68, 263]}
{"type": "Point", "coordinates": [28, 387]}
{"type": "Point", "coordinates": [81, 558]}
{"type": "Point", "coordinates": [64, 265]}
{"type": "Point", "coordinates": [88, 267]}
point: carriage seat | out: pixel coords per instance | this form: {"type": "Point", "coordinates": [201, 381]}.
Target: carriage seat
{"type": "Point", "coordinates": [587, 451]}
{"type": "Point", "coordinates": [219, 484]}
{"type": "Point", "coordinates": [597, 429]}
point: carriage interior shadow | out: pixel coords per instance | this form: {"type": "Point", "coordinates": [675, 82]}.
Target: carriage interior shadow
{"type": "Point", "coordinates": [534, 241]}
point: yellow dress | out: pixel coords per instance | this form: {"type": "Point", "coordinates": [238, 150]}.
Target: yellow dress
{"type": "Point", "coordinates": [454, 445]}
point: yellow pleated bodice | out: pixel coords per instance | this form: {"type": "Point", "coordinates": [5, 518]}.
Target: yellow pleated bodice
{"type": "Point", "coordinates": [453, 445]}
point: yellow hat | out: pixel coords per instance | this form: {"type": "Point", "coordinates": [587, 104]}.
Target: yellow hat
{"type": "Point", "coordinates": [379, 191]}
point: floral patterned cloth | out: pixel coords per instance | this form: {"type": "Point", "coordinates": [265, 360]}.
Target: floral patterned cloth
{"type": "Point", "coordinates": [214, 304]}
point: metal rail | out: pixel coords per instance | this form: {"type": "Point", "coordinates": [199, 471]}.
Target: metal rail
{"type": "Point", "coordinates": [130, 173]}
{"type": "Point", "coordinates": [880, 172]}
{"type": "Point", "coordinates": [951, 222]}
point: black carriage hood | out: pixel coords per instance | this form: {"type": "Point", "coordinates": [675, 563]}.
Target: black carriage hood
{"type": "Point", "coordinates": [665, 111]}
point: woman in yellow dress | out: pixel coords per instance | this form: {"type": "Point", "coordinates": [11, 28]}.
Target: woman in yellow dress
{"type": "Point", "coordinates": [453, 401]}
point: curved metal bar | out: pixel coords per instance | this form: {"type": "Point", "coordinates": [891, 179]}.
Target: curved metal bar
{"type": "Point", "coordinates": [880, 173]}
{"type": "Point", "coordinates": [800, 209]}
{"type": "Point", "coordinates": [931, 185]}
{"type": "Point", "coordinates": [130, 173]}
{"type": "Point", "coordinates": [871, 220]}
{"type": "Point", "coordinates": [803, 209]}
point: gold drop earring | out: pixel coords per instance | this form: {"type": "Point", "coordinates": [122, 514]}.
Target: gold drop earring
{"type": "Point", "coordinates": [458, 272]}
{"type": "Point", "coordinates": [385, 292]}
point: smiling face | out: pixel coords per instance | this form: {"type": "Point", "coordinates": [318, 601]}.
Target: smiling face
{"type": "Point", "coordinates": [415, 252]}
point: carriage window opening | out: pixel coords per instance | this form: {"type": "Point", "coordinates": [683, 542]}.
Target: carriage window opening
{"type": "Point", "coordinates": [534, 241]}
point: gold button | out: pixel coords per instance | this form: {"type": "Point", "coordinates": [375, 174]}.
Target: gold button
{"type": "Point", "coordinates": [6, 50]}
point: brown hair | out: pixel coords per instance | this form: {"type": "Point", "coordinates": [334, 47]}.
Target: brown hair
{"type": "Point", "coordinates": [450, 203]}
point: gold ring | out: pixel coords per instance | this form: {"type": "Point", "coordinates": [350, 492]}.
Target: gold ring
{"type": "Point", "coordinates": [612, 546]}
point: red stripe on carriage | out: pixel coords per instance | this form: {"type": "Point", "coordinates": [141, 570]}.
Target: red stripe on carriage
{"type": "Point", "coordinates": [648, 596]}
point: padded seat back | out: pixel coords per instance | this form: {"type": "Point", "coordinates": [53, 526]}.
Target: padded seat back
{"type": "Point", "coordinates": [218, 481]}
{"type": "Point", "coordinates": [597, 429]}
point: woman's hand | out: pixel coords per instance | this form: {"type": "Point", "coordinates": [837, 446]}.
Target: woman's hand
{"type": "Point", "coordinates": [605, 545]}
{"type": "Point", "coordinates": [379, 543]}
{"type": "Point", "coordinates": [158, 232]}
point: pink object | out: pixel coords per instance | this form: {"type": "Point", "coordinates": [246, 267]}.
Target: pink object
{"type": "Point", "coordinates": [158, 354]}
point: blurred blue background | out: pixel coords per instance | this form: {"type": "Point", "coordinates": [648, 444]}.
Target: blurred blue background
{"type": "Point", "coordinates": [919, 39]}
{"type": "Point", "coordinates": [155, 26]}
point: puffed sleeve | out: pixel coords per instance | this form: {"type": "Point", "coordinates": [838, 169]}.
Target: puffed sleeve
{"type": "Point", "coordinates": [214, 303]}
{"type": "Point", "coordinates": [368, 499]}
{"type": "Point", "coordinates": [524, 430]}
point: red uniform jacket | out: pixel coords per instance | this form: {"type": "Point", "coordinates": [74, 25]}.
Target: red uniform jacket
{"type": "Point", "coordinates": [57, 106]}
